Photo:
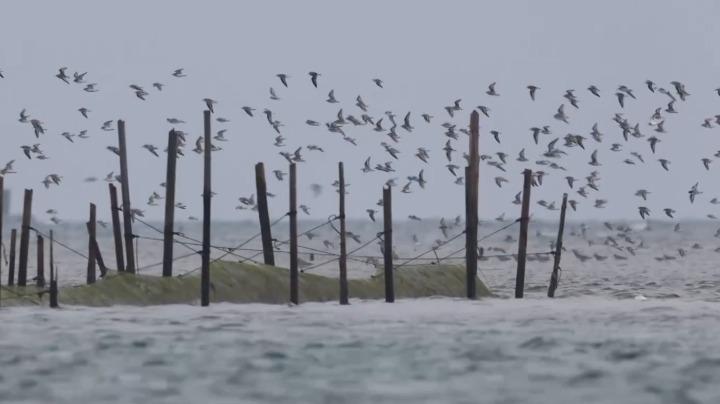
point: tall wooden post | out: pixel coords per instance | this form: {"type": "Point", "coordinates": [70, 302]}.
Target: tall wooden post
{"type": "Point", "coordinates": [388, 245]}
{"type": "Point", "coordinates": [40, 277]}
{"type": "Point", "coordinates": [117, 232]}
{"type": "Point", "coordinates": [169, 229]}
{"type": "Point", "coordinates": [344, 299]}
{"type": "Point", "coordinates": [554, 277]}
{"type": "Point", "coordinates": [2, 207]}
{"type": "Point", "coordinates": [126, 208]}
{"type": "Point", "coordinates": [98, 255]}
{"type": "Point", "coordinates": [264, 214]}
{"type": "Point", "coordinates": [53, 276]}
{"type": "Point", "coordinates": [11, 266]}
{"type": "Point", "coordinates": [471, 220]}
{"type": "Point", "coordinates": [294, 276]}
{"type": "Point", "coordinates": [91, 266]}
{"type": "Point", "coordinates": [207, 195]}
{"type": "Point", "coordinates": [522, 240]}
{"type": "Point", "coordinates": [25, 238]}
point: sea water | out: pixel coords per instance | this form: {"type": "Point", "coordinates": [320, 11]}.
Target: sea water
{"type": "Point", "coordinates": [624, 328]}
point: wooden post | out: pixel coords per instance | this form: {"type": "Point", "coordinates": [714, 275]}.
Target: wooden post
{"type": "Point", "coordinates": [40, 277]}
{"type": "Point", "coordinates": [2, 198]}
{"type": "Point", "coordinates": [207, 195]}
{"type": "Point", "coordinates": [294, 280]}
{"type": "Point", "coordinates": [169, 230]}
{"type": "Point", "coordinates": [126, 208]}
{"type": "Point", "coordinates": [388, 245]}
{"type": "Point", "coordinates": [25, 238]}
{"type": "Point", "coordinates": [53, 276]}
{"type": "Point", "coordinates": [554, 278]}
{"type": "Point", "coordinates": [11, 267]}
{"type": "Point", "coordinates": [117, 232]}
{"type": "Point", "coordinates": [472, 177]}
{"type": "Point", "coordinates": [264, 214]}
{"type": "Point", "coordinates": [343, 247]}
{"type": "Point", "coordinates": [91, 269]}
{"type": "Point", "coordinates": [98, 255]}
{"type": "Point", "coordinates": [522, 240]}
{"type": "Point", "coordinates": [99, 259]}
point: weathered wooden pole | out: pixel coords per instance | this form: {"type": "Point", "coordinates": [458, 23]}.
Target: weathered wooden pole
{"type": "Point", "coordinates": [126, 208]}
{"type": "Point", "coordinates": [25, 238]}
{"type": "Point", "coordinates": [40, 276]}
{"type": "Point", "coordinates": [522, 240]}
{"type": "Point", "coordinates": [117, 231]}
{"type": "Point", "coordinates": [98, 255]}
{"type": "Point", "coordinates": [207, 195]}
{"type": "Point", "coordinates": [169, 229]}
{"type": "Point", "coordinates": [53, 276]}
{"type": "Point", "coordinates": [11, 266]}
{"type": "Point", "coordinates": [472, 177]}
{"type": "Point", "coordinates": [264, 214]}
{"type": "Point", "coordinates": [99, 259]}
{"type": "Point", "coordinates": [388, 245]}
{"type": "Point", "coordinates": [554, 277]}
{"type": "Point", "coordinates": [294, 276]}
{"type": "Point", "coordinates": [91, 267]}
{"type": "Point", "coordinates": [344, 298]}
{"type": "Point", "coordinates": [2, 207]}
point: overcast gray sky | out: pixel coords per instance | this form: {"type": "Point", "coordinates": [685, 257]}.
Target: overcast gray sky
{"type": "Point", "coordinates": [427, 53]}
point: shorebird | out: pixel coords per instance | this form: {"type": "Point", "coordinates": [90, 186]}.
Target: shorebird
{"type": "Point", "coordinates": [209, 102]}
{"type": "Point", "coordinates": [491, 90]}
{"type": "Point", "coordinates": [532, 89]}
{"type": "Point", "coordinates": [560, 115]}
{"type": "Point", "coordinates": [248, 110]}
{"type": "Point", "coordinates": [152, 149]}
{"type": "Point", "coordinates": [62, 75]}
{"type": "Point", "coordinates": [314, 78]}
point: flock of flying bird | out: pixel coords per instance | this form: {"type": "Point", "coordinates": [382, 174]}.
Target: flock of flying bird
{"type": "Point", "coordinates": [392, 128]}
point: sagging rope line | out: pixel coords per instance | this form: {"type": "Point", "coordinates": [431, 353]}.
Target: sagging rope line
{"type": "Point", "coordinates": [331, 219]}
{"type": "Point", "coordinates": [446, 242]}
{"type": "Point", "coordinates": [226, 253]}
{"type": "Point", "coordinates": [481, 257]}
{"type": "Point", "coordinates": [485, 237]}
{"type": "Point", "coordinates": [277, 243]}
{"type": "Point", "coordinates": [174, 259]}
{"type": "Point", "coordinates": [226, 250]}
{"type": "Point", "coordinates": [136, 236]}
{"type": "Point", "coordinates": [58, 242]}
{"type": "Point", "coordinates": [377, 237]}
{"type": "Point", "coordinates": [453, 238]}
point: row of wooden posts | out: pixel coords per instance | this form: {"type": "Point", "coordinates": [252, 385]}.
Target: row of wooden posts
{"type": "Point", "coordinates": [123, 238]}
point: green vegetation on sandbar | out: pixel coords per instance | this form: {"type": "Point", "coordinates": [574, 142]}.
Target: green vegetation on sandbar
{"type": "Point", "coordinates": [249, 283]}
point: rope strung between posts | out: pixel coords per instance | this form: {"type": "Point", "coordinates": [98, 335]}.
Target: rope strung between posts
{"type": "Point", "coordinates": [331, 219]}
{"type": "Point", "coordinates": [485, 237]}
{"type": "Point", "coordinates": [377, 237]}
{"type": "Point", "coordinates": [481, 257]}
{"type": "Point", "coordinates": [60, 243]}
{"type": "Point", "coordinates": [453, 238]}
{"type": "Point", "coordinates": [193, 241]}
{"type": "Point", "coordinates": [136, 236]}
{"type": "Point", "coordinates": [230, 250]}
{"type": "Point", "coordinates": [277, 243]}
{"type": "Point", "coordinates": [173, 260]}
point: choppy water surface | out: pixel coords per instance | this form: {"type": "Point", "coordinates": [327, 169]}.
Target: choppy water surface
{"type": "Point", "coordinates": [415, 351]}
{"type": "Point", "coordinates": [636, 321]}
